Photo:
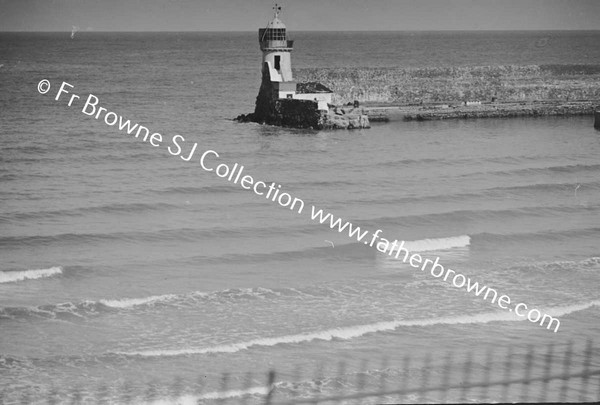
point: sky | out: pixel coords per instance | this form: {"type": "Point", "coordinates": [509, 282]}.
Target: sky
{"type": "Point", "coordinates": [298, 15]}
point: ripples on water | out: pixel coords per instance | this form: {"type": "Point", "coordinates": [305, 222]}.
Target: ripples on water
{"type": "Point", "coordinates": [121, 262]}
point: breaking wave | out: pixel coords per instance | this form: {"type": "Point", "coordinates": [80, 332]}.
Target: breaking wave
{"type": "Point", "coordinates": [194, 399]}
{"type": "Point", "coordinates": [425, 245]}
{"type": "Point", "coordinates": [87, 308]}
{"type": "Point", "coordinates": [14, 276]}
{"type": "Point", "coordinates": [351, 332]}
{"type": "Point", "coordinates": [134, 302]}
{"type": "Point", "coordinates": [568, 309]}
{"type": "Point", "coordinates": [460, 243]}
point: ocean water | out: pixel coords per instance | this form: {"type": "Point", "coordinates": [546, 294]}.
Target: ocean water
{"type": "Point", "coordinates": [125, 270]}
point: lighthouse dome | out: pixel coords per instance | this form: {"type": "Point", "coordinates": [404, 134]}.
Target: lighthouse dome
{"type": "Point", "coordinates": [274, 36]}
{"type": "Point", "coordinates": [276, 23]}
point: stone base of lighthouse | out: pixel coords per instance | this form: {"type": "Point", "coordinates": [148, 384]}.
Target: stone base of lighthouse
{"type": "Point", "coordinates": [297, 113]}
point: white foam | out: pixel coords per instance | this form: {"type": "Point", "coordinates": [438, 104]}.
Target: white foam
{"type": "Point", "coordinates": [132, 302]}
{"type": "Point", "coordinates": [330, 334]}
{"type": "Point", "coordinates": [425, 245]}
{"type": "Point", "coordinates": [124, 303]}
{"type": "Point", "coordinates": [360, 330]}
{"type": "Point", "coordinates": [13, 276]}
{"type": "Point", "coordinates": [592, 261]}
{"type": "Point", "coordinates": [388, 261]}
{"type": "Point", "coordinates": [569, 309]}
{"type": "Point", "coordinates": [193, 399]}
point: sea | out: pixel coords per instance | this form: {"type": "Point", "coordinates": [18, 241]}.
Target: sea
{"type": "Point", "coordinates": [128, 275]}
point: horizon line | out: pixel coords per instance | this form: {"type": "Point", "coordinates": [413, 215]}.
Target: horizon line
{"type": "Point", "coordinates": [292, 31]}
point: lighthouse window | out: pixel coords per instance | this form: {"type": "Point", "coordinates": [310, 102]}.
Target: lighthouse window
{"type": "Point", "coordinates": [276, 34]}
{"type": "Point", "coordinates": [277, 62]}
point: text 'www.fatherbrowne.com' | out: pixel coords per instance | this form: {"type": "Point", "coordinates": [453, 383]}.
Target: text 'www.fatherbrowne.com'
{"type": "Point", "coordinates": [208, 159]}
{"type": "Point", "coordinates": [398, 251]}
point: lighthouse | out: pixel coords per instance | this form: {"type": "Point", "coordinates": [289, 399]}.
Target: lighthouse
{"type": "Point", "coordinates": [277, 78]}
{"type": "Point", "coordinates": [276, 49]}
{"type": "Point", "coordinates": [277, 56]}
{"type": "Point", "coordinates": [284, 102]}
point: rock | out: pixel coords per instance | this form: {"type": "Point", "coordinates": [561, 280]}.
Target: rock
{"type": "Point", "coordinates": [336, 122]}
{"type": "Point", "coordinates": [296, 113]}
{"type": "Point", "coordinates": [245, 118]}
{"type": "Point", "coordinates": [332, 120]}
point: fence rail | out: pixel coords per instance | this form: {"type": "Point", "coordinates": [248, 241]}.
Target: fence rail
{"type": "Point", "coordinates": [554, 373]}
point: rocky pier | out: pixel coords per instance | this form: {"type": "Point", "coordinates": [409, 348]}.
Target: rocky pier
{"type": "Point", "coordinates": [433, 93]}
{"type": "Point", "coordinates": [382, 113]}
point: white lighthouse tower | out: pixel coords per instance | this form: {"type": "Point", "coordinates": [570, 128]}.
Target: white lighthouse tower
{"type": "Point", "coordinates": [280, 100]}
{"type": "Point", "coordinates": [276, 59]}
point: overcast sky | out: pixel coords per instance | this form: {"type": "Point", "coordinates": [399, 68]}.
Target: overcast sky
{"type": "Point", "coordinates": [299, 15]}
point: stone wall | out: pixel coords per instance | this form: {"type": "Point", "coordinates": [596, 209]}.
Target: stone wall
{"type": "Point", "coordinates": [282, 112]}
{"type": "Point", "coordinates": [298, 113]}
{"type": "Point", "coordinates": [505, 110]}
{"type": "Point", "coordinates": [264, 110]}
{"type": "Point", "coordinates": [458, 84]}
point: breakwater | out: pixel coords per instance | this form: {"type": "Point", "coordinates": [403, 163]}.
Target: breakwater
{"type": "Point", "coordinates": [431, 85]}
{"type": "Point", "coordinates": [484, 110]}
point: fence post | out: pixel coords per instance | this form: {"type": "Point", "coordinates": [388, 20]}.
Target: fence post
{"type": "Point", "coordinates": [224, 387]}
{"type": "Point", "coordinates": [507, 368]}
{"type": "Point", "coordinates": [466, 377]}
{"type": "Point", "coordinates": [586, 370]}
{"type": "Point", "coordinates": [360, 378]}
{"type": "Point", "coordinates": [486, 374]}
{"type": "Point", "coordinates": [382, 381]}
{"type": "Point", "coordinates": [566, 368]}
{"type": "Point", "coordinates": [341, 372]}
{"type": "Point", "coordinates": [527, 376]}
{"type": "Point", "coordinates": [270, 387]}
{"type": "Point", "coordinates": [405, 376]}
{"type": "Point", "coordinates": [547, 369]}
{"type": "Point", "coordinates": [425, 377]}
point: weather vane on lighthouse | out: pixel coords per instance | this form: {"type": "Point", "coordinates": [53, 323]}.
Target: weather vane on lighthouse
{"type": "Point", "coordinates": [277, 9]}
